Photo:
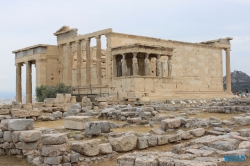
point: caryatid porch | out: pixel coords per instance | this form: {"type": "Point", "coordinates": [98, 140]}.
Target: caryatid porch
{"type": "Point", "coordinates": [141, 60]}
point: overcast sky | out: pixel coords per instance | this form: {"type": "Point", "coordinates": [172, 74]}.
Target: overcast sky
{"type": "Point", "coordinates": [28, 22]}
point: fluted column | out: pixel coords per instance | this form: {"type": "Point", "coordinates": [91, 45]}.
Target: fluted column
{"type": "Point", "coordinates": [19, 82]}
{"type": "Point", "coordinates": [28, 82]}
{"type": "Point", "coordinates": [88, 62]}
{"type": "Point", "coordinates": [98, 60]}
{"type": "Point", "coordinates": [79, 61]}
{"type": "Point", "coordinates": [70, 65]}
{"type": "Point", "coordinates": [228, 72]}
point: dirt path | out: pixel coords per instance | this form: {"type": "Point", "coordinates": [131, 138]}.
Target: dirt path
{"type": "Point", "coordinates": [13, 161]}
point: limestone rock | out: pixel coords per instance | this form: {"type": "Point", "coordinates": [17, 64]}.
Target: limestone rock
{"type": "Point", "coordinates": [197, 132]}
{"type": "Point", "coordinates": [92, 128]}
{"type": "Point", "coordinates": [21, 124]}
{"type": "Point", "coordinates": [145, 161]}
{"type": "Point", "coordinates": [157, 131]}
{"type": "Point", "coordinates": [124, 143]}
{"type": "Point", "coordinates": [152, 140]}
{"type": "Point", "coordinates": [20, 113]}
{"type": "Point", "coordinates": [170, 123]}
{"type": "Point", "coordinates": [53, 160]}
{"type": "Point", "coordinates": [55, 150]}
{"type": "Point", "coordinates": [185, 134]}
{"type": "Point", "coordinates": [54, 139]}
{"type": "Point", "coordinates": [88, 148]}
{"type": "Point", "coordinates": [239, 152]}
{"type": "Point", "coordinates": [222, 145]}
{"type": "Point", "coordinates": [142, 143]}
{"type": "Point", "coordinates": [244, 145]}
{"type": "Point", "coordinates": [75, 122]}
{"type": "Point", "coordinates": [162, 139]}
{"type": "Point", "coordinates": [30, 136]}
{"type": "Point", "coordinates": [105, 148]}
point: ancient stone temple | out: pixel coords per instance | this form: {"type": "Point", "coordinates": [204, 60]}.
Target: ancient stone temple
{"type": "Point", "coordinates": [129, 67]}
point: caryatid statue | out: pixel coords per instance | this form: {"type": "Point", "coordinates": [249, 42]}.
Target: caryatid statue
{"type": "Point", "coordinates": [124, 65]}
{"type": "Point", "coordinates": [158, 65]}
{"type": "Point", "coordinates": [135, 64]}
{"type": "Point", "coordinates": [169, 66]}
{"type": "Point", "coordinates": [147, 66]}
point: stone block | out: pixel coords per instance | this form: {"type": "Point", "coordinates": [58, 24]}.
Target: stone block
{"type": "Point", "coordinates": [124, 143]}
{"type": "Point", "coordinates": [197, 132]}
{"type": "Point", "coordinates": [53, 160]}
{"type": "Point", "coordinates": [29, 145]}
{"type": "Point", "coordinates": [30, 136]}
{"type": "Point", "coordinates": [74, 157]}
{"type": "Point", "coordinates": [162, 139]}
{"type": "Point", "coordinates": [146, 161]}
{"type": "Point", "coordinates": [37, 104]}
{"type": "Point", "coordinates": [174, 138]}
{"type": "Point", "coordinates": [92, 128]}
{"type": "Point", "coordinates": [75, 106]}
{"type": "Point", "coordinates": [75, 122]}
{"type": "Point", "coordinates": [223, 145]}
{"type": "Point", "coordinates": [15, 136]}
{"type": "Point", "coordinates": [105, 148]}
{"type": "Point", "coordinates": [152, 140]}
{"type": "Point", "coordinates": [88, 148]}
{"type": "Point", "coordinates": [20, 113]}
{"type": "Point", "coordinates": [66, 158]}
{"type": "Point", "coordinates": [142, 143]}
{"type": "Point", "coordinates": [7, 106]}
{"type": "Point", "coordinates": [127, 159]}
{"type": "Point", "coordinates": [55, 150]}
{"type": "Point", "coordinates": [27, 106]}
{"type": "Point", "coordinates": [7, 136]}
{"type": "Point", "coordinates": [1, 133]}
{"type": "Point", "coordinates": [170, 123]}
{"type": "Point", "coordinates": [57, 114]}
{"type": "Point", "coordinates": [239, 152]}
{"type": "Point", "coordinates": [54, 139]}
{"type": "Point", "coordinates": [4, 111]}
{"type": "Point", "coordinates": [36, 161]}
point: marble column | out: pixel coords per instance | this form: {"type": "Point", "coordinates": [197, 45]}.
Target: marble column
{"type": "Point", "coordinates": [228, 72]}
{"type": "Point", "coordinates": [60, 49]}
{"type": "Point", "coordinates": [158, 65]}
{"type": "Point", "coordinates": [98, 60]}
{"type": "Point", "coordinates": [28, 82]}
{"type": "Point", "coordinates": [19, 82]}
{"type": "Point", "coordinates": [88, 62]}
{"type": "Point", "coordinates": [70, 64]}
{"type": "Point", "coordinates": [79, 62]}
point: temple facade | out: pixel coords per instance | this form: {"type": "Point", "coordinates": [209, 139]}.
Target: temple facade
{"type": "Point", "coordinates": [130, 67]}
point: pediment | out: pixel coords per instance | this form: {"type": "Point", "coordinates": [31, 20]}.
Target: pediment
{"type": "Point", "coordinates": [63, 29]}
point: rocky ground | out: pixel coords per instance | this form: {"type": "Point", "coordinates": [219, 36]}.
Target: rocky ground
{"type": "Point", "coordinates": [178, 133]}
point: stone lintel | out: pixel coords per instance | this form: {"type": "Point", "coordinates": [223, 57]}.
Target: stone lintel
{"type": "Point", "coordinates": [85, 36]}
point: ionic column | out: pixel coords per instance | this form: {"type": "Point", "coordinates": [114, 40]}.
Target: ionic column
{"type": "Point", "coordinates": [70, 61]}
{"type": "Point", "coordinates": [19, 82]}
{"type": "Point", "coordinates": [60, 48]}
{"type": "Point", "coordinates": [88, 62]}
{"type": "Point", "coordinates": [79, 61]}
{"type": "Point", "coordinates": [158, 65]}
{"type": "Point", "coordinates": [28, 82]}
{"type": "Point", "coordinates": [228, 72]}
{"type": "Point", "coordinates": [98, 60]}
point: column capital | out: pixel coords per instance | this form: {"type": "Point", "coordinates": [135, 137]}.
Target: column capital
{"type": "Point", "coordinates": [124, 55]}
{"type": "Point", "coordinates": [98, 37]}
{"type": "Point", "coordinates": [227, 49]}
{"type": "Point", "coordinates": [134, 53]}
{"type": "Point", "coordinates": [77, 41]}
{"type": "Point", "coordinates": [68, 44]}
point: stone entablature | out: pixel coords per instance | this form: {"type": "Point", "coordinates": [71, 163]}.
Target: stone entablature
{"type": "Point", "coordinates": [144, 48]}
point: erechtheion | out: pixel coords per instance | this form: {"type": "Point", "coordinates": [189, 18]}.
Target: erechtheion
{"type": "Point", "coordinates": [130, 66]}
